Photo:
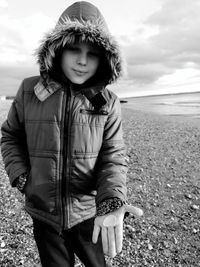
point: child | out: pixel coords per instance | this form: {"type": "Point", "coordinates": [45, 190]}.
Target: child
{"type": "Point", "coordinates": [62, 143]}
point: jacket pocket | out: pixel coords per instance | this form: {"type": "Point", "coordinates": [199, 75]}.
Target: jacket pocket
{"type": "Point", "coordinates": [83, 172]}
{"type": "Point", "coordinates": [40, 190]}
{"type": "Point", "coordinates": [94, 112]}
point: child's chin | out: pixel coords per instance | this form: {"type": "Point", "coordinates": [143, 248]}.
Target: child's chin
{"type": "Point", "coordinates": [79, 82]}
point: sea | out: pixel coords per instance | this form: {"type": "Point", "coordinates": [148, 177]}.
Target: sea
{"type": "Point", "coordinates": [184, 105]}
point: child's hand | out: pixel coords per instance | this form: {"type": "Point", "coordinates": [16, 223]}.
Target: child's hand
{"type": "Point", "coordinates": [111, 228]}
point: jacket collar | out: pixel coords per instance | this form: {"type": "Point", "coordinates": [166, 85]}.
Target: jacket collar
{"type": "Point", "coordinates": [46, 87]}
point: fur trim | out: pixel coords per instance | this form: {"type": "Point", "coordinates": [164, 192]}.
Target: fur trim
{"type": "Point", "coordinates": [64, 33]}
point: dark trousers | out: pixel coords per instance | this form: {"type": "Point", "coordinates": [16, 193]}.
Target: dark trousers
{"type": "Point", "coordinates": [58, 249]}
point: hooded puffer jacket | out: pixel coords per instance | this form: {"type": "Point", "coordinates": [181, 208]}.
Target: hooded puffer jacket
{"type": "Point", "coordinates": [69, 141]}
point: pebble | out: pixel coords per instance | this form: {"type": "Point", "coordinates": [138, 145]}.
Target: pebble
{"type": "Point", "coordinates": [195, 207]}
{"type": "Point", "coordinates": [184, 227]}
{"type": "Point", "coordinates": [188, 196]}
{"type": "Point", "coordinates": [3, 244]}
{"type": "Point", "coordinates": [130, 228]}
{"type": "Point", "coordinates": [175, 240]}
{"type": "Point", "coordinates": [150, 247]}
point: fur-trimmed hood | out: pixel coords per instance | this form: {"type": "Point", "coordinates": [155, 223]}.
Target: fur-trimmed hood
{"type": "Point", "coordinates": [84, 21]}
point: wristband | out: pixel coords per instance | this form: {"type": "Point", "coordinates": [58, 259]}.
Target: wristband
{"type": "Point", "coordinates": [21, 181]}
{"type": "Point", "coordinates": [109, 205]}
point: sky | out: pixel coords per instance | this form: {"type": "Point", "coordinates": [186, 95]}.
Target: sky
{"type": "Point", "coordinates": [159, 40]}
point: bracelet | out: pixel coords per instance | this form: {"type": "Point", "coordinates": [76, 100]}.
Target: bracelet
{"type": "Point", "coordinates": [109, 205]}
{"type": "Point", "coordinates": [21, 181]}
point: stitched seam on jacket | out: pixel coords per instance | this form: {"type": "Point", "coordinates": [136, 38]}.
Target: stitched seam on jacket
{"type": "Point", "coordinates": [90, 125]}
{"type": "Point", "coordinates": [113, 142]}
{"type": "Point", "coordinates": [41, 121]}
{"type": "Point", "coordinates": [41, 152]}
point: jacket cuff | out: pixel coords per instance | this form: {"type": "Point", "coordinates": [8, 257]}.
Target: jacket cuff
{"type": "Point", "coordinates": [109, 205]}
{"type": "Point", "coordinates": [21, 181]}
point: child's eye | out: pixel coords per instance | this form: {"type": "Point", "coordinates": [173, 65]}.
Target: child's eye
{"type": "Point", "coordinates": [72, 48]}
{"type": "Point", "coordinates": [94, 54]}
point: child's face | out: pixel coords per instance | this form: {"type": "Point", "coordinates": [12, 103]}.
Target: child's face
{"type": "Point", "coordinates": [80, 61]}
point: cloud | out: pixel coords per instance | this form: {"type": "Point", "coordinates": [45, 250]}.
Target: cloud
{"type": "Point", "coordinates": [3, 4]}
{"type": "Point", "coordinates": [18, 40]}
{"type": "Point", "coordinates": [147, 73]}
{"type": "Point", "coordinates": [173, 44]}
{"type": "Point", "coordinates": [20, 37]}
{"type": "Point", "coordinates": [11, 77]}
{"type": "Point", "coordinates": [179, 34]}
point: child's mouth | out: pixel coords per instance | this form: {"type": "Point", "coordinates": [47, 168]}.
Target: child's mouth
{"type": "Point", "coordinates": [80, 73]}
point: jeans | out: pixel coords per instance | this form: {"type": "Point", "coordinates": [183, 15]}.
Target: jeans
{"type": "Point", "coordinates": [59, 249]}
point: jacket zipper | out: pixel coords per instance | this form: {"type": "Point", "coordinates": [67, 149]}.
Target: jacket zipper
{"type": "Point", "coordinates": [66, 170]}
{"type": "Point", "coordinates": [64, 107]}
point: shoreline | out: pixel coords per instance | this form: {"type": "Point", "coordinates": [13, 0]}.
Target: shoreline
{"type": "Point", "coordinates": [180, 118]}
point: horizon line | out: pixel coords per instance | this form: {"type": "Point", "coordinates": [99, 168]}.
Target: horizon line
{"type": "Point", "coordinates": [178, 93]}
{"type": "Point", "coordinates": [10, 97]}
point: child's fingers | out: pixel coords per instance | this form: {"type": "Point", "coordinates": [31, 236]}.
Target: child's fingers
{"type": "Point", "coordinates": [119, 237]}
{"type": "Point", "coordinates": [111, 242]}
{"type": "Point", "coordinates": [95, 233]}
{"type": "Point", "coordinates": [104, 237]}
{"type": "Point", "coordinates": [134, 210]}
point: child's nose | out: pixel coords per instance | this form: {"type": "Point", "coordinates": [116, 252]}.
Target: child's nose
{"type": "Point", "coordinates": [82, 59]}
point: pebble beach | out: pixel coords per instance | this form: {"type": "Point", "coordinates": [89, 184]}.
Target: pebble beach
{"type": "Point", "coordinates": [163, 180]}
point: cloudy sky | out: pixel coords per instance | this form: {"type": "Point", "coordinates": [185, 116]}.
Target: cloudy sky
{"type": "Point", "coordinates": [160, 41]}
